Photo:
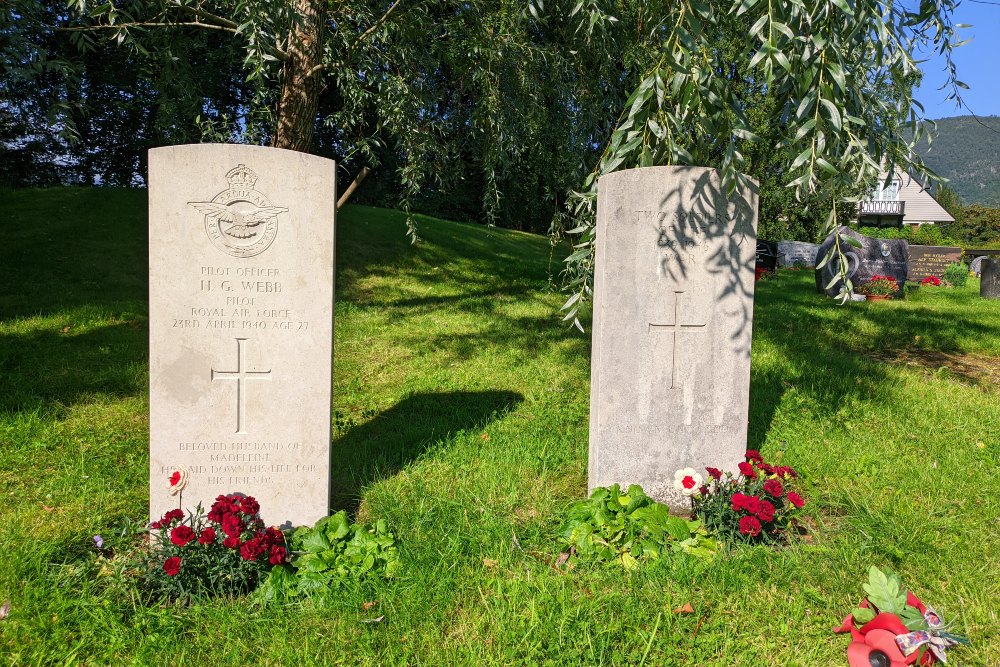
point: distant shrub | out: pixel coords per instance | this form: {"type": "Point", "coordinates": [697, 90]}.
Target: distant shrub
{"type": "Point", "coordinates": [956, 274]}
{"type": "Point", "coordinates": [922, 235]}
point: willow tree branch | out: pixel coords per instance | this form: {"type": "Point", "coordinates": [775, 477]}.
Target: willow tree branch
{"type": "Point", "coordinates": [375, 26]}
{"type": "Point", "coordinates": [208, 16]}
{"type": "Point", "coordinates": [362, 37]}
{"type": "Point", "coordinates": [147, 24]}
{"type": "Point", "coordinates": [353, 186]}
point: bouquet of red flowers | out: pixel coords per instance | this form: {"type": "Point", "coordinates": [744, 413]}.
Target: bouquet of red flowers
{"type": "Point", "coordinates": [932, 281]}
{"type": "Point", "coordinates": [226, 552]}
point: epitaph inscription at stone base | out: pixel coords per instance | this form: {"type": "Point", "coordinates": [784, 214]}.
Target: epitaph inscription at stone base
{"type": "Point", "coordinates": [673, 314]}
{"type": "Point", "coordinates": [241, 268]}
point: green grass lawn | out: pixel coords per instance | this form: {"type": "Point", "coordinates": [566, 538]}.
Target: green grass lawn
{"type": "Point", "coordinates": [461, 406]}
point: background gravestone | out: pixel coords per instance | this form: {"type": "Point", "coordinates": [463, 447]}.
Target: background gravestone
{"type": "Point", "coordinates": [673, 311]}
{"type": "Point", "coordinates": [989, 287]}
{"type": "Point", "coordinates": [241, 326]}
{"type": "Point", "coordinates": [767, 256]}
{"type": "Point", "coordinates": [930, 260]}
{"type": "Point", "coordinates": [976, 266]}
{"type": "Point", "coordinates": [790, 252]}
{"type": "Point", "coordinates": [874, 257]}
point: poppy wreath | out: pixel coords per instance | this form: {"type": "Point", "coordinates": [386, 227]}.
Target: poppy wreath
{"type": "Point", "coordinates": [911, 634]}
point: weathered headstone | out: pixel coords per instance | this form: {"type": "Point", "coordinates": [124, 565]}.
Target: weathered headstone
{"type": "Point", "coordinates": [767, 256]}
{"type": "Point", "coordinates": [241, 270]}
{"type": "Point", "coordinates": [791, 253]}
{"type": "Point", "coordinates": [930, 260]}
{"type": "Point", "coordinates": [673, 311]}
{"type": "Point", "coordinates": [989, 286]}
{"type": "Point", "coordinates": [976, 266]}
{"type": "Point", "coordinates": [874, 257]}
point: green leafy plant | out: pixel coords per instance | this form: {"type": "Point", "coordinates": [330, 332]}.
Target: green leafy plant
{"type": "Point", "coordinates": [759, 505]}
{"type": "Point", "coordinates": [629, 529]}
{"type": "Point", "coordinates": [331, 553]}
{"type": "Point", "coordinates": [956, 274]}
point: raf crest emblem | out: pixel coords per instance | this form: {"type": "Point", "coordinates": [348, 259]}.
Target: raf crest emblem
{"type": "Point", "coordinates": [240, 221]}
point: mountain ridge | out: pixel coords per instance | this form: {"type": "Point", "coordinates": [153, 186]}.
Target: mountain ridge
{"type": "Point", "coordinates": [966, 151]}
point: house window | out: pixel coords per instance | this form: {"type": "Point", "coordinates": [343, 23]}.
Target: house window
{"type": "Point", "coordinates": [885, 192]}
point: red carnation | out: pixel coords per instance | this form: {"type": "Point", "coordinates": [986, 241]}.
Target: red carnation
{"type": "Point", "coordinates": [754, 455]}
{"type": "Point", "coordinates": [703, 490]}
{"type": "Point", "coordinates": [714, 473]}
{"type": "Point", "coordinates": [252, 549]}
{"type": "Point", "coordinates": [795, 499]}
{"type": "Point", "coordinates": [231, 542]}
{"type": "Point", "coordinates": [181, 535]}
{"type": "Point", "coordinates": [207, 536]}
{"type": "Point", "coordinates": [277, 555]}
{"type": "Point", "coordinates": [750, 504]}
{"type": "Point", "coordinates": [172, 566]}
{"type": "Point", "coordinates": [774, 487]}
{"type": "Point", "coordinates": [249, 505]}
{"type": "Point", "coordinates": [750, 526]}
{"type": "Point", "coordinates": [765, 511]}
{"type": "Point", "coordinates": [232, 525]}
{"type": "Point", "coordinates": [220, 508]}
{"type": "Point", "coordinates": [747, 470]}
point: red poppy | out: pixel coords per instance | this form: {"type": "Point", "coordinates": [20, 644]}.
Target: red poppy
{"type": "Point", "coordinates": [172, 566]}
{"type": "Point", "coordinates": [875, 642]}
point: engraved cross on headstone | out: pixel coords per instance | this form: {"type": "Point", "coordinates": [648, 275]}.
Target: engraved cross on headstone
{"type": "Point", "coordinates": [240, 375]}
{"type": "Point", "coordinates": [673, 329]}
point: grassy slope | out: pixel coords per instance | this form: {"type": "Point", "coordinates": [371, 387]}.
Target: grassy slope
{"type": "Point", "coordinates": [461, 418]}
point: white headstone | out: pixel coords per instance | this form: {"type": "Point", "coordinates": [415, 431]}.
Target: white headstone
{"type": "Point", "coordinates": [673, 314]}
{"type": "Point", "coordinates": [241, 268]}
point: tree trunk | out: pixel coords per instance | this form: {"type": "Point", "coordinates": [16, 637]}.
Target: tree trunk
{"type": "Point", "coordinates": [300, 89]}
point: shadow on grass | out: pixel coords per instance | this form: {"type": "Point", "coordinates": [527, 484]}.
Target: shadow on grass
{"type": "Point", "coordinates": [383, 446]}
{"type": "Point", "coordinates": [52, 370]}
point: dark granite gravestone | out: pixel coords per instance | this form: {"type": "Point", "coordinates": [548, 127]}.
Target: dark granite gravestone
{"type": "Point", "coordinates": [874, 257]}
{"type": "Point", "coordinates": [767, 256]}
{"type": "Point", "coordinates": [989, 288]}
{"type": "Point", "coordinates": [931, 260]}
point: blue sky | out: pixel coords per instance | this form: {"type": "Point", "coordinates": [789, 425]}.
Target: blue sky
{"type": "Point", "coordinates": [978, 65]}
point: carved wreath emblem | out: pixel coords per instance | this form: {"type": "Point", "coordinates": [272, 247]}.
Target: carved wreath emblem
{"type": "Point", "coordinates": [240, 221]}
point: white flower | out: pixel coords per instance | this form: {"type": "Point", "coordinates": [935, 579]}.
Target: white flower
{"type": "Point", "coordinates": [688, 482]}
{"type": "Point", "coordinates": [177, 480]}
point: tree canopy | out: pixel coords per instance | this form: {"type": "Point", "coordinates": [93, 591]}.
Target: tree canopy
{"type": "Point", "coordinates": [512, 107]}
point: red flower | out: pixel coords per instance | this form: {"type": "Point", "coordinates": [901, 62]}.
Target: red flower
{"type": "Point", "coordinates": [232, 525]}
{"type": "Point", "coordinates": [749, 504]}
{"type": "Point", "coordinates": [181, 535]}
{"type": "Point", "coordinates": [750, 526]}
{"type": "Point", "coordinates": [765, 511]}
{"type": "Point", "coordinates": [231, 542]}
{"type": "Point", "coordinates": [172, 566]}
{"type": "Point", "coordinates": [703, 490]}
{"type": "Point", "coordinates": [207, 536]}
{"type": "Point", "coordinates": [878, 636]}
{"type": "Point", "coordinates": [714, 473]}
{"type": "Point", "coordinates": [220, 508]}
{"type": "Point", "coordinates": [754, 455]}
{"type": "Point", "coordinates": [766, 467]}
{"type": "Point", "coordinates": [277, 555]}
{"type": "Point", "coordinates": [774, 487]}
{"type": "Point", "coordinates": [688, 482]}
{"type": "Point", "coordinates": [249, 505]}
{"type": "Point", "coordinates": [747, 470]}
{"type": "Point", "coordinates": [175, 478]}
{"type": "Point", "coordinates": [252, 549]}
{"type": "Point", "coordinates": [795, 499]}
